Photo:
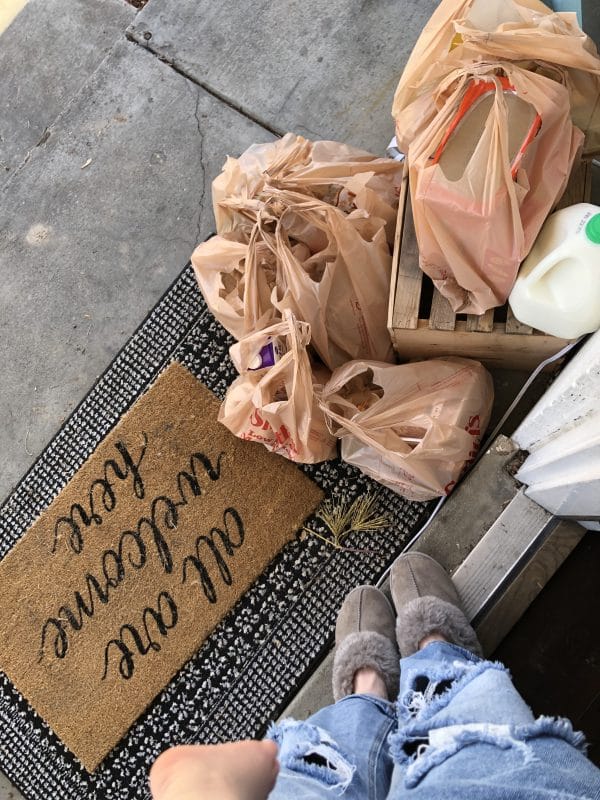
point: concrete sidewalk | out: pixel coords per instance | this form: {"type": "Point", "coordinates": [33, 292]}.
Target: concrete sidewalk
{"type": "Point", "coordinates": [114, 125]}
{"type": "Point", "coordinates": [108, 183]}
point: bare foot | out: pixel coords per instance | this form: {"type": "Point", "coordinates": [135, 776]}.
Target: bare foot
{"type": "Point", "coordinates": [234, 771]}
{"type": "Point", "coordinates": [368, 681]}
{"type": "Point", "coordinates": [433, 637]}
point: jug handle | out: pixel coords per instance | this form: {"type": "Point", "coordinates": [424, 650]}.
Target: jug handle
{"type": "Point", "coordinates": [547, 263]}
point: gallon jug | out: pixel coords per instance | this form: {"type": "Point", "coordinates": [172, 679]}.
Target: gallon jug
{"type": "Point", "coordinates": [558, 287]}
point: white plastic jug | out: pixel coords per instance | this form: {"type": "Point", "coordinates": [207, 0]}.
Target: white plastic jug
{"type": "Point", "coordinates": [558, 287]}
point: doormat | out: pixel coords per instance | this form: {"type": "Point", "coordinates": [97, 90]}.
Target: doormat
{"type": "Point", "coordinates": [264, 648]}
{"type": "Point", "coordinates": [118, 583]}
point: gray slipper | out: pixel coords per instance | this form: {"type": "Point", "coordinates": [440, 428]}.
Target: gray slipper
{"type": "Point", "coordinates": [427, 602]}
{"type": "Point", "coordinates": [365, 637]}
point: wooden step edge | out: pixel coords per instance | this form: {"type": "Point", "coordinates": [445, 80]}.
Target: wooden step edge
{"type": "Point", "coordinates": [525, 584]}
{"type": "Point", "coordinates": [493, 581]}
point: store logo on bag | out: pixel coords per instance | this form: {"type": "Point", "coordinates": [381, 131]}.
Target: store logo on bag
{"type": "Point", "coordinates": [278, 441]}
{"type": "Point", "coordinates": [473, 427]}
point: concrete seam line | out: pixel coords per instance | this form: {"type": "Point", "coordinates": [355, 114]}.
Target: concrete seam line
{"type": "Point", "coordinates": [131, 36]}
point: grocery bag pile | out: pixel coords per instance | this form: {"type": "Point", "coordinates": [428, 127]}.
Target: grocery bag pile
{"type": "Point", "coordinates": [497, 100]}
{"type": "Point", "coordinates": [299, 273]}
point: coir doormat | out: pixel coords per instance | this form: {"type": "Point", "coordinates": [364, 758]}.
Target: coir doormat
{"type": "Point", "coordinates": [117, 584]}
{"type": "Point", "coordinates": [261, 651]}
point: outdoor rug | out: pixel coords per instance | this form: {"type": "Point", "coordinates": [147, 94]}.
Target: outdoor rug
{"type": "Point", "coordinates": [263, 649]}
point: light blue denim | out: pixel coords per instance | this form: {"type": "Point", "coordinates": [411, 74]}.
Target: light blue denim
{"type": "Point", "coordinates": [459, 729]}
{"type": "Point", "coordinates": [341, 751]}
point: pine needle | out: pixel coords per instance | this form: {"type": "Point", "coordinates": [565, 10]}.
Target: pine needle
{"type": "Point", "coordinates": [346, 518]}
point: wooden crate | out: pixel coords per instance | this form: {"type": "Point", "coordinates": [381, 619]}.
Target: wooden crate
{"type": "Point", "coordinates": [423, 325]}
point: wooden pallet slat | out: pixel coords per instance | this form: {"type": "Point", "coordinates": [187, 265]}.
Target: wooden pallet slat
{"type": "Point", "coordinates": [514, 326]}
{"type": "Point", "coordinates": [483, 323]}
{"type": "Point", "coordinates": [408, 273]}
{"type": "Point", "coordinates": [441, 316]}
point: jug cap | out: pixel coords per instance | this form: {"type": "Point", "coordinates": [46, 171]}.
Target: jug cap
{"type": "Point", "coordinates": [592, 229]}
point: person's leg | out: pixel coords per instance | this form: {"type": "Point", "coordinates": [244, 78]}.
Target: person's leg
{"type": "Point", "coordinates": [342, 749]}
{"type": "Point", "coordinates": [463, 729]}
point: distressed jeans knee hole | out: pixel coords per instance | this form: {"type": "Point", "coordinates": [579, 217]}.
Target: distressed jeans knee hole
{"type": "Point", "coordinates": [309, 750]}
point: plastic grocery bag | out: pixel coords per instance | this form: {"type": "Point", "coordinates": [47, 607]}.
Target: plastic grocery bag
{"type": "Point", "coordinates": [412, 427]}
{"type": "Point", "coordinates": [273, 400]}
{"type": "Point", "coordinates": [464, 32]}
{"type": "Point", "coordinates": [224, 268]}
{"type": "Point", "coordinates": [335, 173]}
{"type": "Point", "coordinates": [479, 206]}
{"type": "Point", "coordinates": [342, 287]}
{"type": "Point", "coordinates": [330, 269]}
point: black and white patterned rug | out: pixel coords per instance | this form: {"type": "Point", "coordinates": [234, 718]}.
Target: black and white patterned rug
{"type": "Point", "coordinates": [262, 651]}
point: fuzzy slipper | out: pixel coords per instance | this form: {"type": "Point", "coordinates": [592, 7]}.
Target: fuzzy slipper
{"type": "Point", "coordinates": [365, 637]}
{"type": "Point", "coordinates": [427, 602]}
{"type": "Point", "coordinates": [426, 615]}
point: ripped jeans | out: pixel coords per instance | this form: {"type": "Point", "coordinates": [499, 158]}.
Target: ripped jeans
{"type": "Point", "coordinates": [459, 729]}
